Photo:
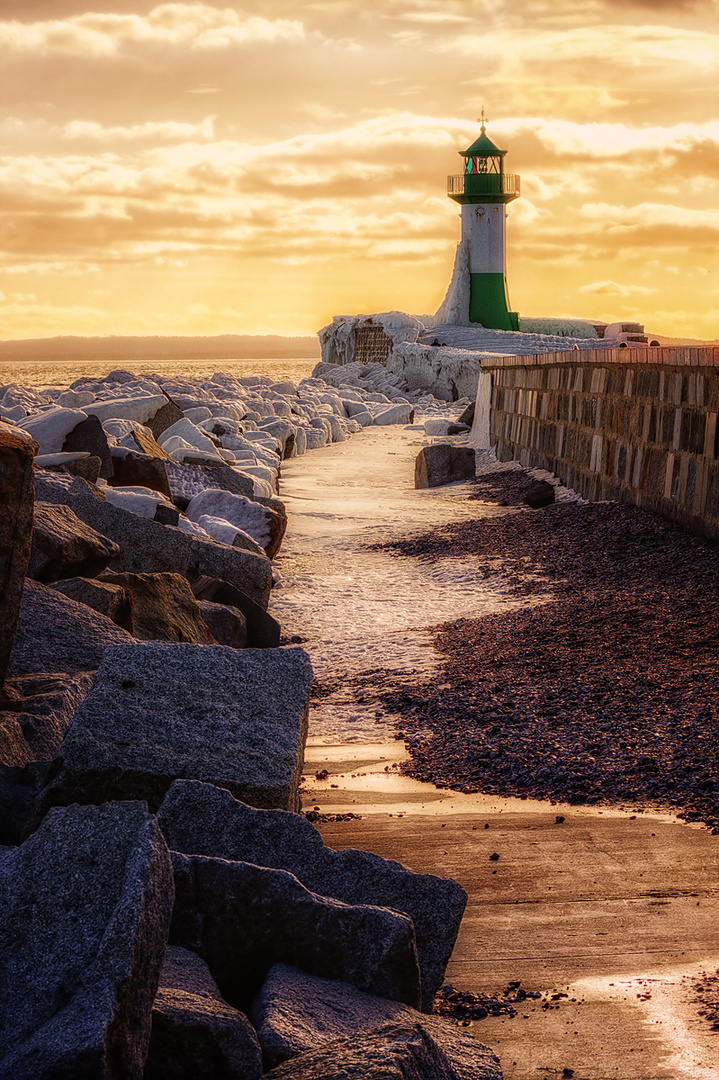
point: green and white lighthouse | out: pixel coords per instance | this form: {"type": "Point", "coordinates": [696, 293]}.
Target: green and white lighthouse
{"type": "Point", "coordinates": [483, 190]}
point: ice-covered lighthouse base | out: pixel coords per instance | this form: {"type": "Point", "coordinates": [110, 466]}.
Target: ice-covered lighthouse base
{"type": "Point", "coordinates": [476, 298]}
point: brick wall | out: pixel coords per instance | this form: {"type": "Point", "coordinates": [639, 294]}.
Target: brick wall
{"type": "Point", "coordinates": [372, 346]}
{"type": "Point", "coordinates": [637, 425]}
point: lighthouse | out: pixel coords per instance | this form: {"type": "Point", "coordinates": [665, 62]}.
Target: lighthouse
{"type": "Point", "coordinates": [483, 191]}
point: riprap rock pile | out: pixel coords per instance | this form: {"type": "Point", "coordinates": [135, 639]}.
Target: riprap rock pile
{"type": "Point", "coordinates": [145, 912]}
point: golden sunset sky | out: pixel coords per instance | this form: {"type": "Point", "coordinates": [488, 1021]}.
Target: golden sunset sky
{"type": "Point", "coordinates": [204, 168]}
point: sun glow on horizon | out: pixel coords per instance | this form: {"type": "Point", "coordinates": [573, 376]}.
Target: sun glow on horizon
{"type": "Point", "coordinates": [202, 168]}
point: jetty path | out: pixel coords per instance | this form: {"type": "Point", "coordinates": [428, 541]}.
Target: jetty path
{"type": "Point", "coordinates": [611, 915]}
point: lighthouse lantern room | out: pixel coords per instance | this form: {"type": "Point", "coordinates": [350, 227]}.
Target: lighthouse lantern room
{"type": "Point", "coordinates": [483, 190]}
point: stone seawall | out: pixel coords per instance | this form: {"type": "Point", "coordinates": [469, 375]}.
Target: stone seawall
{"type": "Point", "coordinates": [637, 425]}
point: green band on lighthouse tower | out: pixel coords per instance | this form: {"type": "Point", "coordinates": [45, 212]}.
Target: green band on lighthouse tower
{"type": "Point", "coordinates": [483, 191]}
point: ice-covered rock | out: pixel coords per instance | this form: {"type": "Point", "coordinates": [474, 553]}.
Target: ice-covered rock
{"type": "Point", "coordinates": [251, 517]}
{"type": "Point", "coordinates": [141, 408]}
{"type": "Point", "coordinates": [150, 547]}
{"type": "Point", "coordinates": [226, 533]}
{"type": "Point", "coordinates": [49, 429]}
{"type": "Point", "coordinates": [75, 399]}
{"type": "Point", "coordinates": [479, 339]}
{"type": "Point", "coordinates": [394, 414]}
{"type": "Point", "coordinates": [187, 480]}
{"type": "Point", "coordinates": [196, 416]}
{"type": "Point", "coordinates": [16, 397]}
{"type": "Point", "coordinates": [437, 425]}
{"type": "Point", "coordinates": [140, 501]}
{"type": "Point", "coordinates": [337, 339]}
{"type": "Point", "coordinates": [184, 434]}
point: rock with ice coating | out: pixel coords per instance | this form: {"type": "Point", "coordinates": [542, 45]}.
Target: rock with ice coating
{"type": "Point", "coordinates": [119, 428]}
{"type": "Point", "coordinates": [394, 414]}
{"type": "Point", "coordinates": [196, 416]}
{"type": "Point", "coordinates": [150, 547]}
{"type": "Point", "coordinates": [143, 502]}
{"type": "Point", "coordinates": [49, 429]}
{"type": "Point", "coordinates": [337, 339]}
{"type": "Point", "coordinates": [249, 516]}
{"type": "Point", "coordinates": [226, 533]}
{"type": "Point", "coordinates": [75, 399]}
{"type": "Point", "coordinates": [140, 408]}
{"type": "Point", "coordinates": [187, 480]}
{"type": "Point", "coordinates": [437, 425]}
{"type": "Point", "coordinates": [22, 398]}
{"type": "Point", "coordinates": [189, 435]}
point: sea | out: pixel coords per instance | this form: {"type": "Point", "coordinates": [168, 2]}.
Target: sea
{"type": "Point", "coordinates": [61, 373]}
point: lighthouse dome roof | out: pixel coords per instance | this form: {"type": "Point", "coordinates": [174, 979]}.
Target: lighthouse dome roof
{"type": "Point", "coordinates": [483, 147]}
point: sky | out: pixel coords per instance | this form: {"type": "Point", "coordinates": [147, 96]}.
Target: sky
{"type": "Point", "coordinates": [206, 168]}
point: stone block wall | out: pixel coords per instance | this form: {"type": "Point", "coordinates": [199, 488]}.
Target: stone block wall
{"type": "Point", "coordinates": [636, 425]}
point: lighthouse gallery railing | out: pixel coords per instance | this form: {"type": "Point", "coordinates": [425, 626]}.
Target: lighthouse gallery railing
{"type": "Point", "coordinates": [483, 184]}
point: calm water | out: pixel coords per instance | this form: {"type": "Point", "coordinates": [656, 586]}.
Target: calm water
{"type": "Point", "coordinates": [61, 373]}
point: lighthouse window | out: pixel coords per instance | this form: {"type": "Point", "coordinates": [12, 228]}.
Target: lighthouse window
{"type": "Point", "coordinates": [483, 165]}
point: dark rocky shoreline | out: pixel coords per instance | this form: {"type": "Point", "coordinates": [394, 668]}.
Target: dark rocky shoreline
{"type": "Point", "coordinates": [602, 692]}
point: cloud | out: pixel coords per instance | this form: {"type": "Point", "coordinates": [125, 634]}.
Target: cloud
{"type": "Point", "coordinates": [564, 138]}
{"type": "Point", "coordinates": [168, 130]}
{"type": "Point", "coordinates": [609, 44]}
{"type": "Point", "coordinates": [66, 268]}
{"type": "Point", "coordinates": [613, 288]}
{"type": "Point", "coordinates": [647, 214]}
{"type": "Point", "coordinates": [195, 26]}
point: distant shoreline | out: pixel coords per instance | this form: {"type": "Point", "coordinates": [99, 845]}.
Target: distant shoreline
{"type": "Point", "coordinates": [119, 349]}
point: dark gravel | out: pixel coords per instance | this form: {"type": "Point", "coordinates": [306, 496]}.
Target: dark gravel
{"type": "Point", "coordinates": [507, 488]}
{"type": "Point", "coordinates": [706, 994]}
{"type": "Point", "coordinates": [605, 690]}
{"type": "Point", "coordinates": [464, 1005]}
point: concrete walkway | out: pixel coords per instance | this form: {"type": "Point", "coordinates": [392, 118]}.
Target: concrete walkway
{"type": "Point", "coordinates": [612, 916]}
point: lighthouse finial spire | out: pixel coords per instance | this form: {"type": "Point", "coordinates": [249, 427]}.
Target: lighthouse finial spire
{"type": "Point", "coordinates": [483, 121]}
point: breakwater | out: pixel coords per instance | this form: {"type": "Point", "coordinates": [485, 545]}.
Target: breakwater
{"type": "Point", "coordinates": [636, 425]}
